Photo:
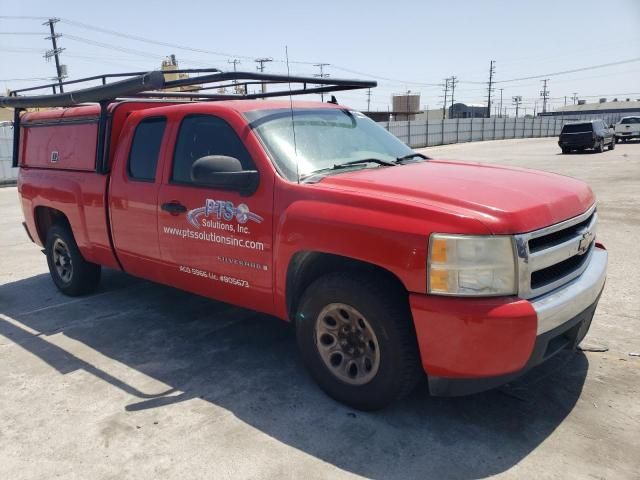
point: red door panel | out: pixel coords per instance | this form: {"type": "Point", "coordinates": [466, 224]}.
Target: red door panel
{"type": "Point", "coordinates": [221, 245]}
{"type": "Point", "coordinates": [133, 199]}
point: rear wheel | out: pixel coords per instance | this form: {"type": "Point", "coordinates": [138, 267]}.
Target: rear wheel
{"type": "Point", "coordinates": [70, 272]}
{"type": "Point", "coordinates": [357, 339]}
{"type": "Point", "coordinates": [612, 145]}
{"type": "Point", "coordinates": [599, 148]}
{"type": "Point", "coordinates": [566, 150]}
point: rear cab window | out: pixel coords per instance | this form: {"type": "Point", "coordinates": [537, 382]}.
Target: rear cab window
{"type": "Point", "coordinates": [145, 149]}
{"type": "Point", "coordinates": [203, 135]}
{"type": "Point", "coordinates": [630, 120]}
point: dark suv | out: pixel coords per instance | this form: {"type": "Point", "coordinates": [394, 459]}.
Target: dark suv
{"type": "Point", "coordinates": [592, 134]}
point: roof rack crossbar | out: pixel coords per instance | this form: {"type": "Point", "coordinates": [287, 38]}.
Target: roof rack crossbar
{"type": "Point", "coordinates": [155, 85]}
{"type": "Point", "coordinates": [250, 96]}
{"type": "Point", "coordinates": [129, 86]}
{"type": "Point", "coordinates": [105, 76]}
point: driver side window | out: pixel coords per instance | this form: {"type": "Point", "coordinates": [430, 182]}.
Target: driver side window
{"type": "Point", "coordinates": [202, 135]}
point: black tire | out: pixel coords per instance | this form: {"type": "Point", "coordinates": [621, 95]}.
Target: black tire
{"type": "Point", "coordinates": [599, 147]}
{"type": "Point", "coordinates": [566, 150]}
{"type": "Point", "coordinates": [617, 140]}
{"type": "Point", "coordinates": [386, 311]}
{"type": "Point", "coordinates": [612, 145]}
{"type": "Point", "coordinates": [81, 277]}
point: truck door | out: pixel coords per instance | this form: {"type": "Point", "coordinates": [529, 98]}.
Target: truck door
{"type": "Point", "coordinates": [133, 196]}
{"type": "Point", "coordinates": [215, 242]}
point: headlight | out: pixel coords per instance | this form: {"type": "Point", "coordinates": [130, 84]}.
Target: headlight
{"type": "Point", "coordinates": [471, 265]}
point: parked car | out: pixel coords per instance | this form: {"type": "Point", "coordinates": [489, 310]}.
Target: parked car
{"type": "Point", "coordinates": [390, 264]}
{"type": "Point", "coordinates": [627, 128]}
{"type": "Point", "coordinates": [582, 135]}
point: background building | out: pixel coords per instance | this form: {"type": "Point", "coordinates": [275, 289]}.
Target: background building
{"type": "Point", "coordinates": [615, 106]}
{"type": "Point", "coordinates": [467, 110]}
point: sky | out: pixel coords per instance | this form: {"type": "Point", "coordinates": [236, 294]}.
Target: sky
{"type": "Point", "coordinates": [404, 45]}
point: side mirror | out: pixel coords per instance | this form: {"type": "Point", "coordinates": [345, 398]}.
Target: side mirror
{"type": "Point", "coordinates": [225, 173]}
{"type": "Point", "coordinates": [612, 126]}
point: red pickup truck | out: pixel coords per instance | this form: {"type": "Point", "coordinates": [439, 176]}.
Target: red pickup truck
{"type": "Point", "coordinates": [390, 265]}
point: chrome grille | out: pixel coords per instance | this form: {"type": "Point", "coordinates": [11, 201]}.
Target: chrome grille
{"type": "Point", "coordinates": [552, 256]}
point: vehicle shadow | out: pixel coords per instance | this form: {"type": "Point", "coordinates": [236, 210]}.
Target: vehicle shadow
{"type": "Point", "coordinates": [247, 363]}
{"type": "Point", "coordinates": [583, 152]}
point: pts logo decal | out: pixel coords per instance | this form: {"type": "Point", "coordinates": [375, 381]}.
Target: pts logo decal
{"type": "Point", "coordinates": [222, 210]}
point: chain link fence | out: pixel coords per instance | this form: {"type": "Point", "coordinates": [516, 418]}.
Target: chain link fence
{"type": "Point", "coordinates": [423, 133]}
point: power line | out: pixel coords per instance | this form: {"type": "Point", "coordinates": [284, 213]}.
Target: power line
{"type": "Point", "coordinates": [564, 72]}
{"type": "Point", "coordinates": [23, 79]}
{"type": "Point", "coordinates": [21, 17]}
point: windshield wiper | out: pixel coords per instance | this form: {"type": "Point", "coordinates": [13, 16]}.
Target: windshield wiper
{"type": "Point", "coordinates": [352, 163]}
{"type": "Point", "coordinates": [410, 156]}
{"type": "Point", "coordinates": [379, 161]}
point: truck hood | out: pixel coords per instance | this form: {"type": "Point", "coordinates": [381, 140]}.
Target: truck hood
{"type": "Point", "coordinates": [506, 199]}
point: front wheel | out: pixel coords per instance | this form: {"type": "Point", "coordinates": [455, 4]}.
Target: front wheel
{"type": "Point", "coordinates": [356, 337]}
{"type": "Point", "coordinates": [70, 272]}
{"type": "Point", "coordinates": [612, 145]}
{"type": "Point", "coordinates": [566, 150]}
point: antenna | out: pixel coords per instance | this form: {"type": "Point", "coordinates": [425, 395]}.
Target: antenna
{"type": "Point", "coordinates": [293, 124]}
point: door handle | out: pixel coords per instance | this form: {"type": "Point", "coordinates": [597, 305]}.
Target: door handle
{"type": "Point", "coordinates": [174, 208]}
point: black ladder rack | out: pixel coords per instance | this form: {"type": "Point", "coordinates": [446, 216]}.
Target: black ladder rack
{"type": "Point", "coordinates": [113, 87]}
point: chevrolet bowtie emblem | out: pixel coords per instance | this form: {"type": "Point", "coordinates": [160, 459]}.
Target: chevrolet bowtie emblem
{"type": "Point", "coordinates": [585, 242]}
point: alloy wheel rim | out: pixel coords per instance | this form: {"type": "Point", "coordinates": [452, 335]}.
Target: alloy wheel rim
{"type": "Point", "coordinates": [62, 260]}
{"type": "Point", "coordinates": [347, 344]}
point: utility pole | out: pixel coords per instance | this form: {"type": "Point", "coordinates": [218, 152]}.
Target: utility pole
{"type": "Point", "coordinates": [544, 93]}
{"type": "Point", "coordinates": [517, 100]}
{"type": "Point", "coordinates": [368, 100]}
{"type": "Point", "coordinates": [260, 67]}
{"type": "Point", "coordinates": [237, 89]}
{"type": "Point", "coordinates": [574, 98]}
{"type": "Point", "coordinates": [55, 52]}
{"type": "Point", "coordinates": [501, 101]}
{"type": "Point", "coordinates": [492, 71]}
{"type": "Point", "coordinates": [323, 75]}
{"type": "Point", "coordinates": [454, 81]}
{"type": "Point", "coordinates": [444, 104]}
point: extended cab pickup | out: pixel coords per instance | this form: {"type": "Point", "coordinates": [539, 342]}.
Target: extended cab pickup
{"type": "Point", "coordinates": [391, 265]}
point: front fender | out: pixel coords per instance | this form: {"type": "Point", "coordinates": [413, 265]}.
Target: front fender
{"type": "Point", "coordinates": [393, 238]}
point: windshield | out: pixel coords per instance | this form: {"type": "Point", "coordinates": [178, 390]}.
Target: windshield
{"type": "Point", "coordinates": [323, 138]}
{"type": "Point", "coordinates": [629, 120]}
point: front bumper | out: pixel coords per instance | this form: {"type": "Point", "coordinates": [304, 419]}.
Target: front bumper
{"type": "Point", "coordinates": [468, 345]}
